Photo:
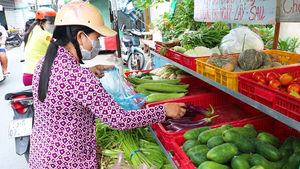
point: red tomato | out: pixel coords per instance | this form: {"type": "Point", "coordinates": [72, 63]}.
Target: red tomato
{"type": "Point", "coordinates": [286, 79]}
{"type": "Point", "coordinates": [262, 80]}
{"type": "Point", "coordinates": [271, 75]}
{"type": "Point", "coordinates": [283, 89]}
{"type": "Point", "coordinates": [275, 84]}
{"type": "Point", "coordinates": [293, 87]}
{"type": "Point", "coordinates": [255, 75]}
{"type": "Point", "coordinates": [297, 80]}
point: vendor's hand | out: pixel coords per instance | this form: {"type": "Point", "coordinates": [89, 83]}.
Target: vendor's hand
{"type": "Point", "coordinates": [2, 42]}
{"type": "Point", "coordinates": [175, 110]}
{"type": "Point", "coordinates": [97, 69]}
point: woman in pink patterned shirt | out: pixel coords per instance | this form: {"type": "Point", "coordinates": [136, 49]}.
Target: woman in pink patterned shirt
{"type": "Point", "coordinates": [67, 97]}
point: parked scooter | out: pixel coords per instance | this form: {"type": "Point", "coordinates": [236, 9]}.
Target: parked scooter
{"type": "Point", "coordinates": [132, 54]}
{"type": "Point", "coordinates": [21, 126]}
{"type": "Point", "coordinates": [14, 40]}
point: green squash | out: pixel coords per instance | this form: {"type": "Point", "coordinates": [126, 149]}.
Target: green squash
{"type": "Point", "coordinates": [250, 59]}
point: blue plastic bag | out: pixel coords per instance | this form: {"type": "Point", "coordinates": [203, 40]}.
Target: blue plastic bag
{"type": "Point", "coordinates": [123, 94]}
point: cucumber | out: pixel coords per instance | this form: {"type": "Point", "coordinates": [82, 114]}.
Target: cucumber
{"type": "Point", "coordinates": [244, 144]}
{"type": "Point", "coordinates": [239, 162]}
{"type": "Point", "coordinates": [266, 150]}
{"type": "Point", "coordinates": [162, 87]}
{"type": "Point", "coordinates": [215, 141]}
{"type": "Point", "coordinates": [249, 132]}
{"type": "Point", "coordinates": [280, 163]}
{"type": "Point", "coordinates": [147, 77]}
{"type": "Point", "coordinates": [293, 161]}
{"type": "Point", "coordinates": [200, 148]}
{"type": "Point", "coordinates": [194, 133]}
{"type": "Point", "coordinates": [141, 81]}
{"type": "Point", "coordinates": [296, 145]}
{"type": "Point", "coordinates": [163, 96]}
{"type": "Point", "coordinates": [249, 126]}
{"type": "Point", "coordinates": [198, 158]}
{"type": "Point", "coordinates": [245, 155]}
{"type": "Point", "coordinates": [212, 165]}
{"type": "Point", "coordinates": [286, 149]}
{"type": "Point", "coordinates": [269, 138]}
{"type": "Point", "coordinates": [257, 167]}
{"type": "Point", "coordinates": [206, 135]}
{"type": "Point", "coordinates": [189, 144]}
{"type": "Point", "coordinates": [256, 159]}
{"type": "Point", "coordinates": [222, 153]}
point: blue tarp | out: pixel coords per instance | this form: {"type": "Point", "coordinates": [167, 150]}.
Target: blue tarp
{"type": "Point", "coordinates": [128, 9]}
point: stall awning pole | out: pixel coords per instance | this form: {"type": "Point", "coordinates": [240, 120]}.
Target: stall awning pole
{"type": "Point", "coordinates": [116, 25]}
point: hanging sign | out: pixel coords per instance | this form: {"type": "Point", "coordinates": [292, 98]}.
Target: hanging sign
{"type": "Point", "coordinates": [289, 11]}
{"type": "Point", "coordinates": [235, 11]}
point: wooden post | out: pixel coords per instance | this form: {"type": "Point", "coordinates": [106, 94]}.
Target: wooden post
{"type": "Point", "coordinates": [276, 35]}
{"type": "Point", "coordinates": [208, 24]}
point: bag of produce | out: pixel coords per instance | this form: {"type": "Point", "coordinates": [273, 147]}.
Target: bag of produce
{"type": "Point", "coordinates": [121, 163]}
{"type": "Point", "coordinates": [233, 42]}
{"type": "Point", "coordinates": [123, 94]}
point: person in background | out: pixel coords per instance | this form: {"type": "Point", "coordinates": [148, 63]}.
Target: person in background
{"type": "Point", "coordinates": [31, 19]}
{"type": "Point", "coordinates": [67, 97]}
{"type": "Point", "coordinates": [37, 40]}
{"type": "Point", "coordinates": [3, 56]}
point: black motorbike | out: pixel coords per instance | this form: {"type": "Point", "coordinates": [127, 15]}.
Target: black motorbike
{"type": "Point", "coordinates": [14, 39]}
{"type": "Point", "coordinates": [20, 127]}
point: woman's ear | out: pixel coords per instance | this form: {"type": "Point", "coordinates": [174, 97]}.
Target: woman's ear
{"type": "Point", "coordinates": [79, 37]}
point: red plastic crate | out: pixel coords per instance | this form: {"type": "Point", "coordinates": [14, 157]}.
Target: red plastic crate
{"type": "Point", "coordinates": [275, 99]}
{"type": "Point", "coordinates": [183, 59]}
{"type": "Point", "coordinates": [267, 123]}
{"type": "Point", "coordinates": [230, 109]}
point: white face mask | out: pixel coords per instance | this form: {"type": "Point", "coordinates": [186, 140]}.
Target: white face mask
{"type": "Point", "coordinates": [50, 28]}
{"type": "Point", "coordinates": [88, 55]}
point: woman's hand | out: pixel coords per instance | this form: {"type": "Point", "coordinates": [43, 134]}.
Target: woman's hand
{"type": "Point", "coordinates": [97, 69]}
{"type": "Point", "coordinates": [175, 110]}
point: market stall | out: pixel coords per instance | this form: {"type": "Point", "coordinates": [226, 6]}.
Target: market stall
{"type": "Point", "coordinates": [228, 100]}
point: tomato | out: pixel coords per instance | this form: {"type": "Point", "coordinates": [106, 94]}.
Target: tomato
{"type": "Point", "coordinates": [255, 75]}
{"type": "Point", "coordinates": [270, 76]}
{"type": "Point", "coordinates": [286, 79]}
{"type": "Point", "coordinates": [283, 89]}
{"type": "Point", "coordinates": [262, 80]}
{"type": "Point", "coordinates": [275, 84]}
{"type": "Point", "coordinates": [297, 80]}
{"type": "Point", "coordinates": [293, 87]}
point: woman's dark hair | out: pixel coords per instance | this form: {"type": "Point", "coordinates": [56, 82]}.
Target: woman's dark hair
{"type": "Point", "coordinates": [27, 33]}
{"type": "Point", "coordinates": [63, 35]}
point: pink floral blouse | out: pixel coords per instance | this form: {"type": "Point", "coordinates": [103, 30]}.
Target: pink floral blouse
{"type": "Point", "coordinates": [63, 134]}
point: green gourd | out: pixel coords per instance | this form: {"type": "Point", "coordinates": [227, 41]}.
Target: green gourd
{"type": "Point", "coordinates": [250, 59]}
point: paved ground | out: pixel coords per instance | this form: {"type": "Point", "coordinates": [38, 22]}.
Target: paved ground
{"type": "Point", "coordinates": [8, 158]}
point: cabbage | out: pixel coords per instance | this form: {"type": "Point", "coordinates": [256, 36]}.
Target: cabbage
{"type": "Point", "coordinates": [203, 51]}
{"type": "Point", "coordinates": [216, 50]}
{"type": "Point", "coordinates": [179, 49]}
{"type": "Point", "coordinates": [191, 53]}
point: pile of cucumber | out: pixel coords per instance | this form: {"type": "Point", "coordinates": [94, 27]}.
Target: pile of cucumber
{"type": "Point", "coordinates": [240, 148]}
{"type": "Point", "coordinates": [157, 90]}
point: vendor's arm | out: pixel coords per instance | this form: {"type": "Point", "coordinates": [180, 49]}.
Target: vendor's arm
{"type": "Point", "coordinates": [98, 68]}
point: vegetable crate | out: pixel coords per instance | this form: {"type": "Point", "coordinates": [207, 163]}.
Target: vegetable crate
{"type": "Point", "coordinates": [275, 99]}
{"type": "Point", "coordinates": [183, 59]}
{"type": "Point", "coordinates": [229, 109]}
{"type": "Point", "coordinates": [230, 79]}
{"type": "Point", "coordinates": [159, 47]}
{"type": "Point", "coordinates": [267, 123]}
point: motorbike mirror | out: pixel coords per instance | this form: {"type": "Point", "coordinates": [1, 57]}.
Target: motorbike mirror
{"type": "Point", "coordinates": [0, 33]}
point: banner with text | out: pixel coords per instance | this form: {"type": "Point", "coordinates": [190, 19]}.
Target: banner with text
{"type": "Point", "coordinates": [235, 11]}
{"type": "Point", "coordinates": [289, 10]}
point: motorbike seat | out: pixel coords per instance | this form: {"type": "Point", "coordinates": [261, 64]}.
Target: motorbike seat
{"type": "Point", "coordinates": [126, 38]}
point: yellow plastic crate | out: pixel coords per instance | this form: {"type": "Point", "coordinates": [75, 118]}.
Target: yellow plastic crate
{"type": "Point", "coordinates": [229, 79]}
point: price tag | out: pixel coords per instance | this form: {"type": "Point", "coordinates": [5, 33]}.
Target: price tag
{"type": "Point", "coordinates": [20, 127]}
